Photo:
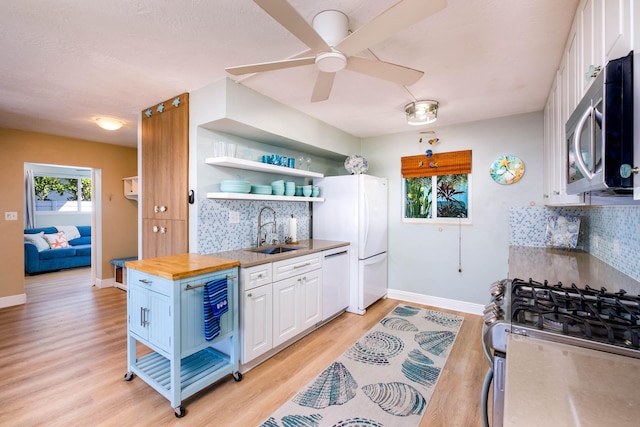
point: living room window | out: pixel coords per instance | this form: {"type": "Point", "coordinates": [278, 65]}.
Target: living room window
{"type": "Point", "coordinates": [62, 193]}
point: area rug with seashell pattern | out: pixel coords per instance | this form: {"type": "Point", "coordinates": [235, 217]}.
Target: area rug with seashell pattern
{"type": "Point", "coordinates": [385, 379]}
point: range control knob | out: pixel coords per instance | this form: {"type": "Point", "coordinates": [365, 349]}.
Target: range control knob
{"type": "Point", "coordinates": [497, 289]}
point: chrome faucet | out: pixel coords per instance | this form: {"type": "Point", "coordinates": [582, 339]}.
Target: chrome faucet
{"type": "Point", "coordinates": [261, 240]}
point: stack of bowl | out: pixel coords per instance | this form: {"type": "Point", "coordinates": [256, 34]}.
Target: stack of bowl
{"type": "Point", "coordinates": [289, 188]}
{"type": "Point", "coordinates": [232, 186]}
{"type": "Point", "coordinates": [261, 189]}
{"type": "Point", "coordinates": [278, 187]}
{"type": "Point", "coordinates": [315, 191]}
{"type": "Point", "coordinates": [307, 190]}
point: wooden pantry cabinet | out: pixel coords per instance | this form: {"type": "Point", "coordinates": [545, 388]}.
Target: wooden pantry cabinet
{"type": "Point", "coordinates": [164, 177]}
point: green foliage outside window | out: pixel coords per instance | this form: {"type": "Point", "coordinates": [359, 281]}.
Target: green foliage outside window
{"type": "Point", "coordinates": [451, 194]}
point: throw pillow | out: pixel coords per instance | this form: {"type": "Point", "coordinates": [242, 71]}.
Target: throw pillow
{"type": "Point", "coordinates": [38, 240]}
{"type": "Point", "coordinates": [57, 240]}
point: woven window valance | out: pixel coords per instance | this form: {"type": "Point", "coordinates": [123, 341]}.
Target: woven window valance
{"type": "Point", "coordinates": [454, 162]}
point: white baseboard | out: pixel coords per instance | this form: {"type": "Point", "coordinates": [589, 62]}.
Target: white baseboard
{"type": "Point", "coordinates": [105, 283]}
{"type": "Point", "coordinates": [449, 304]}
{"type": "Point", "coordinates": [13, 300]}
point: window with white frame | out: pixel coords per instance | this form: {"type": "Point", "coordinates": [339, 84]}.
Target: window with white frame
{"type": "Point", "coordinates": [62, 193]}
{"type": "Point", "coordinates": [437, 188]}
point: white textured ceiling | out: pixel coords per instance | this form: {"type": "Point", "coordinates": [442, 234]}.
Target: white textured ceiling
{"type": "Point", "coordinates": [67, 61]}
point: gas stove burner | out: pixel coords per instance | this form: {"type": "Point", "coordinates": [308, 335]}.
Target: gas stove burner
{"type": "Point", "coordinates": [559, 326]}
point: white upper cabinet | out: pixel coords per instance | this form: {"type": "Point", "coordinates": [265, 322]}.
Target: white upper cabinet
{"type": "Point", "coordinates": [618, 32]}
{"type": "Point", "coordinates": [590, 30]}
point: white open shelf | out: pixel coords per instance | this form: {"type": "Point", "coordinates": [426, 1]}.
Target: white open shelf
{"type": "Point", "coordinates": [249, 196]}
{"type": "Point", "coordinates": [232, 162]}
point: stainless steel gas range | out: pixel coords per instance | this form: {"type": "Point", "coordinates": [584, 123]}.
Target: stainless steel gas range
{"type": "Point", "coordinates": [582, 316]}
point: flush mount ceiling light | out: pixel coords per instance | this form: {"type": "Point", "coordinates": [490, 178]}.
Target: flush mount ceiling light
{"type": "Point", "coordinates": [421, 112]}
{"type": "Point", "coordinates": [108, 123]}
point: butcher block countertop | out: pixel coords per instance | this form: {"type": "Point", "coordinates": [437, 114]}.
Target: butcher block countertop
{"type": "Point", "coordinates": [181, 266]}
{"type": "Point", "coordinates": [567, 266]}
{"type": "Point", "coordinates": [247, 258]}
{"type": "Point", "coordinates": [553, 384]}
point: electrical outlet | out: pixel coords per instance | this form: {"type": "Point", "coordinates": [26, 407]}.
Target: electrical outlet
{"type": "Point", "coordinates": [234, 217]}
{"type": "Point", "coordinates": [11, 216]}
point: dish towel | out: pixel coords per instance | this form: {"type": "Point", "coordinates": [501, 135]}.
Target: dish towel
{"type": "Point", "coordinates": [215, 305]}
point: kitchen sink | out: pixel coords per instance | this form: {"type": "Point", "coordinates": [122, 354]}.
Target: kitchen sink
{"type": "Point", "coordinates": [272, 250]}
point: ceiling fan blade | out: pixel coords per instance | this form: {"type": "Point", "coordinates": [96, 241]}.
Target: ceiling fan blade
{"type": "Point", "coordinates": [289, 18]}
{"type": "Point", "coordinates": [384, 70]}
{"type": "Point", "coordinates": [269, 66]}
{"type": "Point", "coordinates": [397, 17]}
{"type": "Point", "coordinates": [323, 86]}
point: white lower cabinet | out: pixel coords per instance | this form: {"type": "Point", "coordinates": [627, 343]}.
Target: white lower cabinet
{"type": "Point", "coordinates": [257, 322]}
{"type": "Point", "coordinates": [281, 300]}
{"type": "Point", "coordinates": [297, 305]}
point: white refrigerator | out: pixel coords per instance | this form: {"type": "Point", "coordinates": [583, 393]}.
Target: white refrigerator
{"type": "Point", "coordinates": [355, 210]}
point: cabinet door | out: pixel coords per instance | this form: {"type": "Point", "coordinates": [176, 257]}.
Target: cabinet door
{"type": "Point", "coordinates": [618, 18]}
{"type": "Point", "coordinates": [138, 299]}
{"type": "Point", "coordinates": [257, 319]}
{"type": "Point", "coordinates": [150, 316]}
{"type": "Point", "coordinates": [590, 15]}
{"type": "Point", "coordinates": [164, 237]}
{"type": "Point", "coordinates": [310, 288]}
{"type": "Point", "coordinates": [160, 318]}
{"type": "Point", "coordinates": [286, 306]}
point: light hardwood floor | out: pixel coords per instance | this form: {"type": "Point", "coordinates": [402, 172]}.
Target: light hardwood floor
{"type": "Point", "coordinates": [63, 358]}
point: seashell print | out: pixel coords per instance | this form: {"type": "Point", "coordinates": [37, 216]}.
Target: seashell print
{"type": "Point", "coordinates": [312, 420]}
{"type": "Point", "coordinates": [443, 319]}
{"type": "Point", "coordinates": [405, 311]}
{"type": "Point", "coordinates": [396, 398]}
{"type": "Point", "coordinates": [375, 348]}
{"type": "Point", "coordinates": [435, 342]}
{"type": "Point", "coordinates": [271, 422]}
{"type": "Point", "coordinates": [358, 422]}
{"type": "Point", "coordinates": [334, 386]}
{"type": "Point", "coordinates": [419, 368]}
{"type": "Point", "coordinates": [399, 324]}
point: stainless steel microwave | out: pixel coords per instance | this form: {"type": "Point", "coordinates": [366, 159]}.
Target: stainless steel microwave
{"type": "Point", "coordinates": [599, 134]}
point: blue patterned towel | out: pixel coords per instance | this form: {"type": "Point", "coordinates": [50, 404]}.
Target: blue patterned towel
{"type": "Point", "coordinates": [215, 305]}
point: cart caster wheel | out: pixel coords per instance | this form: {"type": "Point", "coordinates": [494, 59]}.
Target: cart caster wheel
{"type": "Point", "coordinates": [128, 376]}
{"type": "Point", "coordinates": [180, 411]}
{"type": "Point", "coordinates": [237, 376]}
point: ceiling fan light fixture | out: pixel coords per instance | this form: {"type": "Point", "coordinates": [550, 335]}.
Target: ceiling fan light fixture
{"type": "Point", "coordinates": [331, 62]}
{"type": "Point", "coordinates": [108, 123]}
{"type": "Point", "coordinates": [421, 112]}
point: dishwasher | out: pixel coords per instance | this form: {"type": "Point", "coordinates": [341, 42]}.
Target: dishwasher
{"type": "Point", "coordinates": [335, 282]}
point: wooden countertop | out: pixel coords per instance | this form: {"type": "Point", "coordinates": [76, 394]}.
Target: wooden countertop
{"type": "Point", "coordinates": [553, 384]}
{"type": "Point", "coordinates": [181, 266]}
{"type": "Point", "coordinates": [567, 266]}
{"type": "Point", "coordinates": [247, 258]}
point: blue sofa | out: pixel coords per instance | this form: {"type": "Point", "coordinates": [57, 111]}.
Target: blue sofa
{"type": "Point", "coordinates": [78, 254]}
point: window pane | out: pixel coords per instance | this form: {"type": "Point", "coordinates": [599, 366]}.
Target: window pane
{"type": "Point", "coordinates": [453, 196]}
{"type": "Point", "coordinates": [58, 194]}
{"type": "Point", "coordinates": [418, 197]}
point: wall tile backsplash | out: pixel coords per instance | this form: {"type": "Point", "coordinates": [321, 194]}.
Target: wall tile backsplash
{"type": "Point", "coordinates": [610, 233]}
{"type": "Point", "coordinates": [216, 233]}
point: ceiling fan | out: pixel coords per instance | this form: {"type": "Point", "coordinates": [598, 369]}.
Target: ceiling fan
{"type": "Point", "coordinates": [332, 48]}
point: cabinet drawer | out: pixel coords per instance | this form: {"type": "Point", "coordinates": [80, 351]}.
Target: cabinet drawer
{"type": "Point", "coordinates": [253, 277]}
{"type": "Point", "coordinates": [294, 266]}
{"type": "Point", "coordinates": [149, 281]}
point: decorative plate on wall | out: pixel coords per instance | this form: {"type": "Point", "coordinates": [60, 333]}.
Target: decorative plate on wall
{"type": "Point", "coordinates": [356, 165]}
{"type": "Point", "coordinates": [507, 170]}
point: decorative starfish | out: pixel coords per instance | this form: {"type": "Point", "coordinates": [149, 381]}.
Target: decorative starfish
{"type": "Point", "coordinates": [176, 102]}
{"type": "Point", "coordinates": [160, 107]}
{"type": "Point", "coordinates": [148, 113]}
{"type": "Point", "coordinates": [504, 162]}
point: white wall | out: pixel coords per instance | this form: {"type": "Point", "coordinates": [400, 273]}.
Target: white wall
{"type": "Point", "coordinates": [424, 258]}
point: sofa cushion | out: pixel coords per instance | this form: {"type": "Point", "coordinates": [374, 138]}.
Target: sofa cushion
{"type": "Point", "coordinates": [46, 230]}
{"type": "Point", "coordinates": [84, 230]}
{"type": "Point", "coordinates": [84, 240]}
{"type": "Point", "coordinates": [38, 240]}
{"type": "Point", "coordinates": [57, 240]}
{"type": "Point", "coordinates": [58, 253]}
{"type": "Point", "coordinates": [83, 250]}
